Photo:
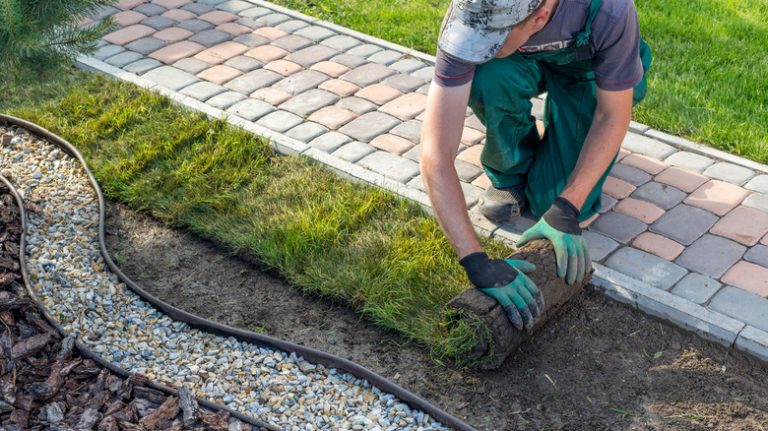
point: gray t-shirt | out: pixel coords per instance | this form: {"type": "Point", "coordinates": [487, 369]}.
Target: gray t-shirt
{"type": "Point", "coordinates": [615, 42]}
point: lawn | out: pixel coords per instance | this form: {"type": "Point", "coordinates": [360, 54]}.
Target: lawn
{"type": "Point", "coordinates": [379, 253]}
{"type": "Point", "coordinates": [709, 77]}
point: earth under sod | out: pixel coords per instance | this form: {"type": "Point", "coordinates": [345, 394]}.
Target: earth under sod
{"type": "Point", "coordinates": [601, 365]}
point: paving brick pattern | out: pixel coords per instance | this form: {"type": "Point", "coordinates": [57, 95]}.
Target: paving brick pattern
{"type": "Point", "coordinates": [672, 216]}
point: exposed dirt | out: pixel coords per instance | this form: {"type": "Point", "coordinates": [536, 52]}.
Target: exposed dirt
{"type": "Point", "coordinates": [599, 366]}
{"type": "Point", "coordinates": [46, 384]}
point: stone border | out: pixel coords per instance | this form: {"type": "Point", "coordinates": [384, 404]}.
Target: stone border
{"type": "Point", "coordinates": [665, 305]}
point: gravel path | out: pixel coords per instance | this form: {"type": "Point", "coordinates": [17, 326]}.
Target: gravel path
{"type": "Point", "coordinates": [72, 280]}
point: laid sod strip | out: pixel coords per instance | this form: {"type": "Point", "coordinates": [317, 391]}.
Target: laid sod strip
{"type": "Point", "coordinates": [707, 83]}
{"type": "Point", "coordinates": [379, 253]}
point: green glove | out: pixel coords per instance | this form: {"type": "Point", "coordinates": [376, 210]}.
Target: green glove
{"type": "Point", "coordinates": [505, 281]}
{"type": "Point", "coordinates": [560, 225]}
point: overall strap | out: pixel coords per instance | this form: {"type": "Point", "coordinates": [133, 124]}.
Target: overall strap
{"type": "Point", "coordinates": [582, 38]}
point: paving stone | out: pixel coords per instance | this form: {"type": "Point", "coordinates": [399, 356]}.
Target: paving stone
{"type": "Point", "coordinates": [353, 151]}
{"type": "Point", "coordinates": [150, 9]}
{"type": "Point", "coordinates": [349, 60]}
{"type": "Point", "coordinates": [469, 136]}
{"type": "Point", "coordinates": [467, 171]}
{"type": "Point", "coordinates": [647, 146]}
{"type": "Point", "coordinates": [407, 65]}
{"type": "Point", "coordinates": [598, 245]}
{"type": "Point", "coordinates": [191, 65]}
{"type": "Point", "coordinates": [142, 66]}
{"type": "Point", "coordinates": [311, 55]}
{"type": "Point", "coordinates": [339, 87]}
{"type": "Point", "coordinates": [301, 82]}
{"type": "Point", "coordinates": [209, 38]}
{"type": "Point", "coordinates": [315, 33]}
{"type": "Point", "coordinates": [234, 6]}
{"type": "Point", "coordinates": [406, 106]}
{"type": "Point", "coordinates": [292, 25]}
{"type": "Point", "coordinates": [410, 130]}
{"type": "Point", "coordinates": [696, 288]}
{"type": "Point", "coordinates": [748, 276]}
{"type": "Point", "coordinates": [482, 181]}
{"type": "Point", "coordinates": [682, 179]}
{"type": "Point", "coordinates": [617, 188]}
{"type": "Point", "coordinates": [646, 267]}
{"type": "Point", "coordinates": [341, 42]}
{"type": "Point", "coordinates": [179, 14]}
{"type": "Point", "coordinates": [255, 12]}
{"type": "Point", "coordinates": [211, 2]}
{"type": "Point", "coordinates": [414, 154]}
{"type": "Point", "coordinates": [471, 155]}
{"type": "Point", "coordinates": [175, 52]}
{"type": "Point", "coordinates": [251, 40]}
{"type": "Point", "coordinates": [124, 58]}
{"type": "Point", "coordinates": [639, 209]}
{"type": "Point", "coordinates": [620, 227]}
{"type": "Point", "coordinates": [426, 73]}
{"type": "Point", "coordinates": [690, 161]}
{"type": "Point", "coordinates": [378, 93]}
{"type": "Point", "coordinates": [644, 163]}
{"type": "Point", "coordinates": [742, 305]}
{"type": "Point", "coordinates": [390, 165]}
{"type": "Point", "coordinates": [368, 126]}
{"type": "Point", "coordinates": [121, 5]}
{"type": "Point", "coordinates": [365, 50]}
{"type": "Point", "coordinates": [251, 109]}
{"type": "Point", "coordinates": [308, 102]}
{"type": "Point", "coordinates": [203, 91]}
{"type": "Point", "coordinates": [128, 34]}
{"type": "Point", "coordinates": [283, 67]}
{"type": "Point", "coordinates": [758, 184]}
{"type": "Point", "coordinates": [280, 121]}
{"type": "Point", "coordinates": [274, 19]}
{"type": "Point", "coordinates": [270, 33]}
{"type": "Point", "coordinates": [662, 195]}
{"type": "Point", "coordinates": [606, 203]}
{"type": "Point", "coordinates": [107, 51]}
{"type": "Point", "coordinates": [684, 224]}
{"type": "Point", "coordinates": [424, 89]}
{"type": "Point", "coordinates": [659, 245]}
{"type": "Point", "coordinates": [219, 74]}
{"type": "Point", "coordinates": [729, 172]}
{"type": "Point", "coordinates": [197, 8]}
{"type": "Point", "coordinates": [403, 82]}
{"type": "Point", "coordinates": [758, 254]}
{"type": "Point", "coordinates": [717, 196]}
{"type": "Point", "coordinates": [711, 255]}
{"type": "Point", "coordinates": [357, 105]}
{"type": "Point", "coordinates": [472, 194]}
{"type": "Point", "coordinates": [146, 45]}
{"type": "Point", "coordinates": [743, 224]}
{"type": "Point", "coordinates": [392, 144]}
{"type": "Point", "coordinates": [330, 141]}
{"type": "Point", "coordinates": [221, 52]}
{"type": "Point", "coordinates": [273, 96]}
{"type": "Point", "coordinates": [474, 123]}
{"type": "Point", "coordinates": [128, 17]}
{"type": "Point", "coordinates": [292, 42]}
{"type": "Point", "coordinates": [386, 57]}
{"type": "Point", "coordinates": [757, 201]}
{"type": "Point", "coordinates": [159, 22]}
{"type": "Point", "coordinates": [171, 78]}
{"type": "Point", "coordinates": [330, 68]}
{"type": "Point", "coordinates": [754, 342]}
{"type": "Point", "coordinates": [196, 25]}
{"type": "Point", "coordinates": [369, 74]}
{"type": "Point", "coordinates": [171, 4]}
{"type": "Point", "coordinates": [332, 117]}
{"type": "Point", "coordinates": [632, 175]}
{"type": "Point", "coordinates": [217, 17]}
{"type": "Point", "coordinates": [252, 81]}
{"type": "Point", "coordinates": [173, 34]}
{"type": "Point", "coordinates": [244, 63]}
{"type": "Point", "coordinates": [266, 53]}
{"type": "Point", "coordinates": [306, 132]}
{"type": "Point", "coordinates": [248, 23]}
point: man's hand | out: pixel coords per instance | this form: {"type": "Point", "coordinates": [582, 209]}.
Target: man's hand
{"type": "Point", "coordinates": [506, 282]}
{"type": "Point", "coordinates": [560, 225]}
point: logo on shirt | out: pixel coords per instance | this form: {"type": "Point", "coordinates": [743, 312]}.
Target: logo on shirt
{"type": "Point", "coordinates": [550, 46]}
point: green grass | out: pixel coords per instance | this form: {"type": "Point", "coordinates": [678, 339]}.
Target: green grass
{"type": "Point", "coordinates": [708, 81]}
{"type": "Point", "coordinates": [378, 253]}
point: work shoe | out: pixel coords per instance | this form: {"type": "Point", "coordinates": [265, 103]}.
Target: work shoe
{"type": "Point", "coordinates": [502, 205]}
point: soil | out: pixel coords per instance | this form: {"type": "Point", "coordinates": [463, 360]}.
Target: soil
{"type": "Point", "coordinates": [599, 365]}
{"type": "Point", "coordinates": [46, 384]}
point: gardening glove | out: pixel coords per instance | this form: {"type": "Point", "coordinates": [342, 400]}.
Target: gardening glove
{"type": "Point", "coordinates": [505, 281]}
{"type": "Point", "coordinates": [560, 225]}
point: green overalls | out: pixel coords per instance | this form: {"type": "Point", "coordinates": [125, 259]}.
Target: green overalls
{"type": "Point", "coordinates": [514, 153]}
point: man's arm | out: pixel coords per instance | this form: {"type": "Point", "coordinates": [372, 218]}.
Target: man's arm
{"type": "Point", "coordinates": [440, 137]}
{"type": "Point", "coordinates": [609, 126]}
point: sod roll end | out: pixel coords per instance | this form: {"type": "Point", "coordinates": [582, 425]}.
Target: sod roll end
{"type": "Point", "coordinates": [504, 338]}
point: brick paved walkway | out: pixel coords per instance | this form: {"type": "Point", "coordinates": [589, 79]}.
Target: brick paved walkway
{"type": "Point", "coordinates": [683, 231]}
